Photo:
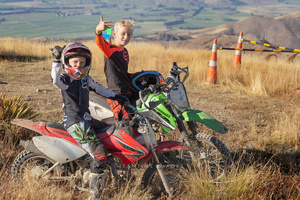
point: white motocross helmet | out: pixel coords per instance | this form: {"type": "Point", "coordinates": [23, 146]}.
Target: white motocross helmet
{"type": "Point", "coordinates": [77, 49]}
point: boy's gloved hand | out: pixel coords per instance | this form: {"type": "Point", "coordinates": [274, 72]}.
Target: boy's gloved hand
{"type": "Point", "coordinates": [120, 98]}
{"type": "Point", "coordinates": [56, 51]}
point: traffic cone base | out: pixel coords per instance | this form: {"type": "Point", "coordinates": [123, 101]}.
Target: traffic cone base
{"type": "Point", "coordinates": [211, 75]}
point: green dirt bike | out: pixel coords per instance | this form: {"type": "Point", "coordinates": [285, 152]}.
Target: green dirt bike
{"type": "Point", "coordinates": [168, 99]}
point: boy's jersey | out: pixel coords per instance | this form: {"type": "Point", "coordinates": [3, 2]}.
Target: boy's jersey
{"type": "Point", "coordinates": [116, 66]}
{"type": "Point", "coordinates": [76, 94]}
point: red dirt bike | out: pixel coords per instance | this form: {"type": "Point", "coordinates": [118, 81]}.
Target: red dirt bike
{"type": "Point", "coordinates": [56, 156]}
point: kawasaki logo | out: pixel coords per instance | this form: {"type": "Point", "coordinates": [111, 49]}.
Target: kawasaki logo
{"type": "Point", "coordinates": [163, 113]}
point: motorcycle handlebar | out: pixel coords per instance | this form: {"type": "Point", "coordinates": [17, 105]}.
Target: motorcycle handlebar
{"type": "Point", "coordinates": [176, 71]}
{"type": "Point", "coordinates": [151, 89]}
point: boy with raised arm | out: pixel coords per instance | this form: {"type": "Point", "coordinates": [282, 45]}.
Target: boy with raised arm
{"type": "Point", "coordinates": [71, 75]}
{"type": "Point", "coordinates": [116, 60]}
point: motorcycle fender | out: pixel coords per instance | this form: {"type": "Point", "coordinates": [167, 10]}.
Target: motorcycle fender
{"type": "Point", "coordinates": [58, 149]}
{"type": "Point", "coordinates": [171, 145]}
{"type": "Point", "coordinates": [203, 118]}
{"type": "Point", "coordinates": [28, 145]}
{"type": "Point", "coordinates": [166, 146]}
{"type": "Point", "coordinates": [39, 127]}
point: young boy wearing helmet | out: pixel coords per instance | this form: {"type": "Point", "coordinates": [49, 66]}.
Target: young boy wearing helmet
{"type": "Point", "coordinates": [75, 83]}
{"type": "Point", "coordinates": [116, 60]}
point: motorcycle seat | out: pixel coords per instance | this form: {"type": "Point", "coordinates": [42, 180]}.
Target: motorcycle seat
{"type": "Point", "coordinates": [60, 126]}
{"type": "Point", "coordinates": [56, 125]}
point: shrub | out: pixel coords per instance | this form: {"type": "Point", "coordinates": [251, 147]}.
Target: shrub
{"type": "Point", "coordinates": [10, 108]}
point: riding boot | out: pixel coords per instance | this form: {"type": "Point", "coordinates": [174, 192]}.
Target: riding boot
{"type": "Point", "coordinates": [97, 183]}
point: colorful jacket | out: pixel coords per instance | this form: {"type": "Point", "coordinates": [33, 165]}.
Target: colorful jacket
{"type": "Point", "coordinates": [116, 66]}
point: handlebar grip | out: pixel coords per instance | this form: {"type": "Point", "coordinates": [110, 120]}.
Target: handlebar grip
{"type": "Point", "coordinates": [145, 91]}
{"type": "Point", "coordinates": [162, 86]}
{"type": "Point", "coordinates": [152, 88]}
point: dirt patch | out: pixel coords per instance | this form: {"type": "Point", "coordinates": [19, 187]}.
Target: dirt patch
{"type": "Point", "coordinates": [245, 116]}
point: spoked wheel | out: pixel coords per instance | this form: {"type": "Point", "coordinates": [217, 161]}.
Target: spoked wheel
{"type": "Point", "coordinates": [176, 170]}
{"type": "Point", "coordinates": [212, 155]}
{"type": "Point", "coordinates": [32, 165]}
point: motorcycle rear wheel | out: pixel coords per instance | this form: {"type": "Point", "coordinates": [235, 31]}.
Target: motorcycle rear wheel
{"type": "Point", "coordinates": [32, 165]}
{"type": "Point", "coordinates": [176, 171]}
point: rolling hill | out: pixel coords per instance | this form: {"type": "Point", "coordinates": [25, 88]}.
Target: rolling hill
{"type": "Point", "coordinates": [49, 18]}
{"type": "Point", "coordinates": [280, 31]}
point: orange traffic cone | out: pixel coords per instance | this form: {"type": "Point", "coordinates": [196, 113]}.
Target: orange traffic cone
{"type": "Point", "coordinates": [238, 53]}
{"type": "Point", "coordinates": [212, 69]}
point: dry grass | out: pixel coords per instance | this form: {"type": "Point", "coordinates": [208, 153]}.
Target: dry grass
{"type": "Point", "coordinates": [255, 77]}
{"type": "Point", "coordinates": [248, 182]}
{"type": "Point", "coordinates": [10, 108]}
{"type": "Point", "coordinates": [275, 78]}
{"type": "Point", "coordinates": [29, 188]}
{"type": "Point", "coordinates": [14, 107]}
{"type": "Point", "coordinates": [32, 189]}
{"type": "Point", "coordinates": [271, 127]}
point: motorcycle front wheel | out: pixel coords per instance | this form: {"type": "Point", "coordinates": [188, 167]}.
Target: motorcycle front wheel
{"type": "Point", "coordinates": [32, 165]}
{"type": "Point", "coordinates": [176, 171]}
{"type": "Point", "coordinates": [212, 156]}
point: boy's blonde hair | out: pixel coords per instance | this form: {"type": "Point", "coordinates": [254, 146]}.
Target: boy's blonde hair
{"type": "Point", "coordinates": [127, 22]}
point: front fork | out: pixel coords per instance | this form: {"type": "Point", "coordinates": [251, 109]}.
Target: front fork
{"type": "Point", "coordinates": [185, 136]}
{"type": "Point", "coordinates": [193, 128]}
{"type": "Point", "coordinates": [159, 166]}
{"type": "Point", "coordinates": [162, 174]}
{"type": "Point", "coordinates": [183, 132]}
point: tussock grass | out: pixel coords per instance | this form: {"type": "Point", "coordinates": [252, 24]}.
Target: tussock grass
{"type": "Point", "coordinates": [14, 107]}
{"type": "Point", "coordinates": [247, 182]}
{"type": "Point", "coordinates": [24, 47]}
{"type": "Point", "coordinates": [256, 76]}
{"type": "Point", "coordinates": [10, 108]}
{"type": "Point", "coordinates": [128, 191]}
{"type": "Point", "coordinates": [29, 188]}
{"type": "Point", "coordinates": [284, 133]}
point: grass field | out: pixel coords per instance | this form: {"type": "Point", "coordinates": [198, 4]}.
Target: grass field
{"type": "Point", "coordinates": [39, 19]}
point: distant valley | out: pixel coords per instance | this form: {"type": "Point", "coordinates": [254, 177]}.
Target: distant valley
{"type": "Point", "coordinates": [186, 22]}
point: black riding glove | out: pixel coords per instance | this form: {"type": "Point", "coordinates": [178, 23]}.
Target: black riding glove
{"type": "Point", "coordinates": [56, 51]}
{"type": "Point", "coordinates": [120, 98]}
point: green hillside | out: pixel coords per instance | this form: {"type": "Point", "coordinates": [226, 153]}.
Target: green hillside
{"type": "Point", "coordinates": [78, 18]}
